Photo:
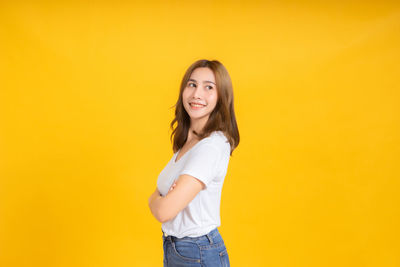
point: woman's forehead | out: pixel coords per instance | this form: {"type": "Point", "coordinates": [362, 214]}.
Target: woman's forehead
{"type": "Point", "coordinates": [203, 75]}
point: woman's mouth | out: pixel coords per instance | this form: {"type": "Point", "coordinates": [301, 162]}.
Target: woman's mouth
{"type": "Point", "coordinates": [196, 105]}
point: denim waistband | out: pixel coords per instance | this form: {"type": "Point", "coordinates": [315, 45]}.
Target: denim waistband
{"type": "Point", "coordinates": [208, 236]}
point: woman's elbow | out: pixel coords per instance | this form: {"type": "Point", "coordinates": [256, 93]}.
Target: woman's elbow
{"type": "Point", "coordinates": [161, 211]}
{"type": "Point", "coordinates": [163, 217]}
{"type": "Point", "coordinates": [162, 220]}
{"type": "Point", "coordinates": [159, 214]}
{"type": "Point", "coordinates": [158, 218]}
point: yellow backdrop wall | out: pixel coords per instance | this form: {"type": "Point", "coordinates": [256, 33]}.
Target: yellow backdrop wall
{"type": "Point", "coordinates": [86, 90]}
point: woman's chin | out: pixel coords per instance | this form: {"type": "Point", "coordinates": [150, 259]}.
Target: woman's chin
{"type": "Point", "coordinates": [197, 116]}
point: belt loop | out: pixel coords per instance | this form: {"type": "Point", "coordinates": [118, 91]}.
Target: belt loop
{"type": "Point", "coordinates": [209, 238]}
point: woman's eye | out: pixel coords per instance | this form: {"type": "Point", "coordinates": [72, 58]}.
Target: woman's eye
{"type": "Point", "coordinates": [191, 84]}
{"type": "Point", "coordinates": [209, 87]}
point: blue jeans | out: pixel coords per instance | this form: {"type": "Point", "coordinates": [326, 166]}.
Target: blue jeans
{"type": "Point", "coordinates": [203, 251]}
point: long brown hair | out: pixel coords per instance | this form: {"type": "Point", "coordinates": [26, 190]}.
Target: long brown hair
{"type": "Point", "coordinates": [222, 118]}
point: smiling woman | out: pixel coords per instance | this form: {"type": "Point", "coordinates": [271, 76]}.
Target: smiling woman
{"type": "Point", "coordinates": [188, 194]}
{"type": "Point", "coordinates": [200, 95]}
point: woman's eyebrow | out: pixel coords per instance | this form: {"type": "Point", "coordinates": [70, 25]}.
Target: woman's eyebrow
{"type": "Point", "coordinates": [193, 80]}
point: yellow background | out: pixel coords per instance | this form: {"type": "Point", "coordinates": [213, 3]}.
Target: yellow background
{"type": "Point", "coordinates": [86, 90]}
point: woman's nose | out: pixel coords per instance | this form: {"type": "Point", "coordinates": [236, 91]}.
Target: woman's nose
{"type": "Point", "coordinates": [197, 92]}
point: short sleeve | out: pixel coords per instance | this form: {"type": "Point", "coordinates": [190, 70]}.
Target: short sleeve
{"type": "Point", "coordinates": [202, 163]}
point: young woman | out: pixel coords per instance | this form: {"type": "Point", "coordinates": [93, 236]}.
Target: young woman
{"type": "Point", "coordinates": [188, 194]}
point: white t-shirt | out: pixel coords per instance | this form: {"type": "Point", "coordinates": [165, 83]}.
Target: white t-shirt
{"type": "Point", "coordinates": [207, 161]}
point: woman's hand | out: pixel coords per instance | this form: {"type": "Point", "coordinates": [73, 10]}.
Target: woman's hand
{"type": "Point", "coordinates": [172, 187]}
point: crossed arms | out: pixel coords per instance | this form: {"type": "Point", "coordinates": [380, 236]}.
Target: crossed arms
{"type": "Point", "coordinates": [184, 191]}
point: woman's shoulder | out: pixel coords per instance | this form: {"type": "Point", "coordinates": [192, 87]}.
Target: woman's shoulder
{"type": "Point", "coordinates": [218, 140]}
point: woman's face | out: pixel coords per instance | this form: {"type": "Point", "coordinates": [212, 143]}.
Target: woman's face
{"type": "Point", "coordinates": [200, 94]}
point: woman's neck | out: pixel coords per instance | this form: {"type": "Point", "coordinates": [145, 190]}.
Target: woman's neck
{"type": "Point", "coordinates": [197, 125]}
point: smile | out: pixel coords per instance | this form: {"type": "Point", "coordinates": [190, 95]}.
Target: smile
{"type": "Point", "coordinates": [196, 106]}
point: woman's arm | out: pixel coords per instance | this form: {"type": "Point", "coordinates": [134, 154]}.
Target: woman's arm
{"type": "Point", "coordinates": [154, 200]}
{"type": "Point", "coordinates": [185, 190]}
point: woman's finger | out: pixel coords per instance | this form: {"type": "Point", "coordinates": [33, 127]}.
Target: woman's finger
{"type": "Point", "coordinates": [173, 186]}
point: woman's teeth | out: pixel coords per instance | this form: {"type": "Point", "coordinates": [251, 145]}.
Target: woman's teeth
{"type": "Point", "coordinates": [196, 105]}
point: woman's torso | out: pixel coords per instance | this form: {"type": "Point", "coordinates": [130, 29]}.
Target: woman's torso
{"type": "Point", "coordinates": [206, 160]}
